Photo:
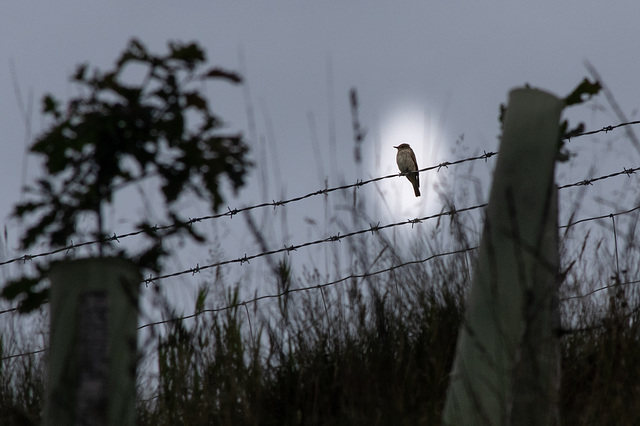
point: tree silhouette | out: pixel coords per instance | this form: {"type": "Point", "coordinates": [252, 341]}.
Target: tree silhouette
{"type": "Point", "coordinates": [115, 134]}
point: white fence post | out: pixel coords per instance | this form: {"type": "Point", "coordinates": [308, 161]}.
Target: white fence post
{"type": "Point", "coordinates": [506, 369]}
{"type": "Point", "coordinates": [92, 354]}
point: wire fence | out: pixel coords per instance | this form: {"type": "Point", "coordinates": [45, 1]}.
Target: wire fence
{"type": "Point", "coordinates": [392, 268]}
{"type": "Point", "coordinates": [338, 237]}
{"type": "Point", "coordinates": [412, 222]}
{"type": "Point", "coordinates": [373, 229]}
{"type": "Point", "coordinates": [256, 299]}
{"type": "Point", "coordinates": [376, 228]}
{"type": "Point", "coordinates": [232, 212]}
{"type": "Point", "coordinates": [118, 237]}
{"type": "Point", "coordinates": [605, 129]}
{"type": "Point", "coordinates": [335, 238]}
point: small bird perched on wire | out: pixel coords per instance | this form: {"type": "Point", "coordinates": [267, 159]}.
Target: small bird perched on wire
{"type": "Point", "coordinates": [406, 160]}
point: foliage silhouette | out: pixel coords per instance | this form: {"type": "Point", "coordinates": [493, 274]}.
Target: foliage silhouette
{"type": "Point", "coordinates": [115, 134]}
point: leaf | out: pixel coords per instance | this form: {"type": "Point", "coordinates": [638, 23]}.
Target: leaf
{"type": "Point", "coordinates": [190, 53]}
{"type": "Point", "coordinates": [564, 154]}
{"type": "Point", "coordinates": [137, 50]}
{"type": "Point", "coordinates": [227, 75]}
{"type": "Point", "coordinates": [195, 100]}
{"type": "Point", "coordinates": [50, 105]}
{"type": "Point", "coordinates": [53, 146]}
{"type": "Point", "coordinates": [25, 288]}
{"type": "Point", "coordinates": [34, 300]}
{"type": "Point", "coordinates": [585, 88]}
{"type": "Point", "coordinates": [23, 208]}
{"type": "Point", "coordinates": [80, 72]}
{"type": "Point", "coordinates": [15, 288]}
{"type": "Point", "coordinates": [579, 129]}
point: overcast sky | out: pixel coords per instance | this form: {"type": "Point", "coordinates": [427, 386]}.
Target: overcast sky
{"type": "Point", "coordinates": [432, 74]}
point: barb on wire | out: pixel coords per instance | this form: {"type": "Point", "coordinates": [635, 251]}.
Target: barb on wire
{"type": "Point", "coordinates": [194, 220]}
{"type": "Point", "coordinates": [488, 155]}
{"type": "Point", "coordinates": [585, 182]}
{"type": "Point", "coordinates": [338, 237]}
{"type": "Point", "coordinates": [605, 129]}
{"type": "Point", "coordinates": [329, 239]}
{"type": "Point", "coordinates": [195, 270]}
{"type": "Point", "coordinates": [414, 221]}
{"type": "Point", "coordinates": [309, 288]}
{"type": "Point", "coordinates": [232, 212]}
{"type": "Point", "coordinates": [374, 228]}
{"type": "Point", "coordinates": [114, 237]}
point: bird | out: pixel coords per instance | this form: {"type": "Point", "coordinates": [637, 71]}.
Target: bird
{"type": "Point", "coordinates": [406, 160]}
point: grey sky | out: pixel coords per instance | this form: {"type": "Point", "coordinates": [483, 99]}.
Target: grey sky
{"type": "Point", "coordinates": [450, 64]}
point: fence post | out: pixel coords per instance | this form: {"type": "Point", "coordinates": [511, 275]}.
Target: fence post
{"type": "Point", "coordinates": [506, 369]}
{"type": "Point", "coordinates": [92, 352]}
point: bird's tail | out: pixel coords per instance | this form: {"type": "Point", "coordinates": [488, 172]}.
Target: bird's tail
{"type": "Point", "coordinates": [415, 181]}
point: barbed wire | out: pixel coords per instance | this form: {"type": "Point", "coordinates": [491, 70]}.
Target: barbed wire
{"type": "Point", "coordinates": [232, 212]}
{"type": "Point", "coordinates": [358, 276]}
{"type": "Point", "coordinates": [338, 237]}
{"type": "Point", "coordinates": [281, 294]}
{"type": "Point", "coordinates": [319, 286]}
{"type": "Point", "coordinates": [605, 129]}
{"type": "Point", "coordinates": [586, 182]}
{"type": "Point", "coordinates": [375, 228]}
{"type": "Point", "coordinates": [323, 285]}
{"type": "Point", "coordinates": [334, 238]}
{"type": "Point", "coordinates": [256, 299]}
{"type": "Point", "coordinates": [310, 288]}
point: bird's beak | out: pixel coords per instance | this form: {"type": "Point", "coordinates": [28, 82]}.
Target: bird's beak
{"type": "Point", "coordinates": [395, 147]}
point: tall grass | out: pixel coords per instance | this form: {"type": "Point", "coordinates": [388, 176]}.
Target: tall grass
{"type": "Point", "coordinates": [371, 354]}
{"type": "Point", "coordinates": [21, 378]}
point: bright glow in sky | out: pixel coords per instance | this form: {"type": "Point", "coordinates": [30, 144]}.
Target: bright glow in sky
{"type": "Point", "coordinates": [411, 121]}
